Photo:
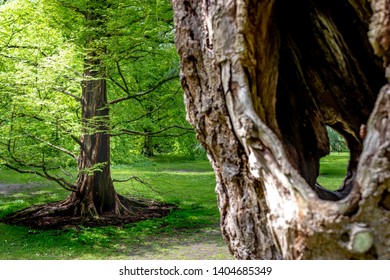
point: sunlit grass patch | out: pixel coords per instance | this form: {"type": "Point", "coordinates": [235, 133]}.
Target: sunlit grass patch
{"type": "Point", "coordinates": [333, 169]}
{"type": "Point", "coordinates": [189, 185]}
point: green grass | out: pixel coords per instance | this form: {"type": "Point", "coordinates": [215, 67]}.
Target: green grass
{"type": "Point", "coordinates": [192, 228]}
{"type": "Point", "coordinates": [333, 169]}
{"type": "Point", "coordinates": [188, 184]}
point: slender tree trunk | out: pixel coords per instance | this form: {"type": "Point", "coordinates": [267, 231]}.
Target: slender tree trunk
{"type": "Point", "coordinates": [147, 147]}
{"type": "Point", "coordinates": [262, 80]}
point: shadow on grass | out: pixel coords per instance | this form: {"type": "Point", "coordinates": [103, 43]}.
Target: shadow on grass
{"type": "Point", "coordinates": [133, 241]}
{"type": "Point", "coordinates": [202, 244]}
{"type": "Point", "coordinates": [186, 233]}
{"type": "Point", "coordinates": [189, 232]}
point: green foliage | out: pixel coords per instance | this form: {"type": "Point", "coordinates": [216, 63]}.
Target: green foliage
{"type": "Point", "coordinates": [150, 62]}
{"type": "Point", "coordinates": [36, 61]}
{"type": "Point", "coordinates": [43, 47]}
{"type": "Point", "coordinates": [337, 142]}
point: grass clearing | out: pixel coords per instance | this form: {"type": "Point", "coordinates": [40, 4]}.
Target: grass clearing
{"type": "Point", "coordinates": [333, 169]}
{"type": "Point", "coordinates": [189, 232]}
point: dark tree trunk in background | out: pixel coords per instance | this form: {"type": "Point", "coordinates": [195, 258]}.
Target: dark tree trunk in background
{"type": "Point", "coordinates": [147, 148]}
{"type": "Point", "coordinates": [262, 80]}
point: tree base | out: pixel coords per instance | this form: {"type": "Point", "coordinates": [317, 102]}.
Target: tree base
{"type": "Point", "coordinates": [60, 215]}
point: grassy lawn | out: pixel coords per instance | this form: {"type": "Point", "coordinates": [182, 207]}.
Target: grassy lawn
{"type": "Point", "coordinates": [189, 232]}
{"type": "Point", "coordinates": [333, 169]}
{"type": "Point", "coordinates": [191, 227]}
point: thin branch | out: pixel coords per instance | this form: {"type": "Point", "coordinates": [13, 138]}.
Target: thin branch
{"type": "Point", "coordinates": [17, 160]}
{"type": "Point", "coordinates": [69, 174]}
{"type": "Point", "coordinates": [128, 179]}
{"type": "Point", "coordinates": [26, 48]}
{"type": "Point", "coordinates": [139, 180]}
{"type": "Point", "coordinates": [142, 93]}
{"type": "Point", "coordinates": [60, 181]}
{"type": "Point", "coordinates": [150, 112]}
{"type": "Point", "coordinates": [155, 133]}
{"type": "Point", "coordinates": [73, 137]}
{"type": "Point", "coordinates": [22, 170]}
{"type": "Point", "coordinates": [125, 89]}
{"type": "Point", "coordinates": [77, 98]}
{"type": "Point", "coordinates": [122, 77]}
{"type": "Point", "coordinates": [31, 63]}
{"type": "Point", "coordinates": [56, 147]}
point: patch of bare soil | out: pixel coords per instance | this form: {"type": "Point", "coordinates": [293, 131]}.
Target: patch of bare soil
{"type": "Point", "coordinates": [14, 188]}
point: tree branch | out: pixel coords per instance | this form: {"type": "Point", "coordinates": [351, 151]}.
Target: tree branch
{"type": "Point", "coordinates": [155, 133]}
{"type": "Point", "coordinates": [77, 98]}
{"type": "Point", "coordinates": [156, 86]}
{"type": "Point", "coordinates": [73, 137]}
{"type": "Point", "coordinates": [139, 180]}
{"type": "Point", "coordinates": [45, 174]}
{"type": "Point", "coordinates": [26, 48]}
{"type": "Point", "coordinates": [150, 112]}
{"type": "Point", "coordinates": [62, 182]}
{"type": "Point", "coordinates": [56, 147]}
{"type": "Point", "coordinates": [128, 179]}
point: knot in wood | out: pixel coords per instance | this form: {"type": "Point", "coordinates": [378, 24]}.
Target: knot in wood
{"type": "Point", "coordinates": [358, 238]}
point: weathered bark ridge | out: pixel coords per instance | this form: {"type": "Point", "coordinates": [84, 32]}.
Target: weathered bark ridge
{"type": "Point", "coordinates": [262, 80]}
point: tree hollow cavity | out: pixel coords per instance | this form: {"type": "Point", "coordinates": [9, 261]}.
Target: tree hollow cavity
{"type": "Point", "coordinates": [324, 186]}
{"type": "Point", "coordinates": [327, 75]}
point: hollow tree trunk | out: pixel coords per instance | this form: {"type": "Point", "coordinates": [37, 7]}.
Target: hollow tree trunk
{"type": "Point", "coordinates": [262, 79]}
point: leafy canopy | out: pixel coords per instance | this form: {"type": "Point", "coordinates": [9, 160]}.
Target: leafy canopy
{"type": "Point", "coordinates": [43, 46]}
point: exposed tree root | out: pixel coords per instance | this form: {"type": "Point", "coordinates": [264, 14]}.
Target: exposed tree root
{"type": "Point", "coordinates": [58, 215]}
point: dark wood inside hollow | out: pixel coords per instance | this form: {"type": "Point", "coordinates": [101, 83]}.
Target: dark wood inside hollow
{"type": "Point", "coordinates": [328, 75]}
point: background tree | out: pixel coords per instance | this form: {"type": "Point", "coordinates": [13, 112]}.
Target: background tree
{"type": "Point", "coordinates": [262, 80]}
{"type": "Point", "coordinates": [143, 60]}
{"type": "Point", "coordinates": [336, 141]}
{"type": "Point", "coordinates": [37, 62]}
{"type": "Point", "coordinates": [101, 45]}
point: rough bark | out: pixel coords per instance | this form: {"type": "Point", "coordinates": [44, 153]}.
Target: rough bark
{"type": "Point", "coordinates": [95, 193]}
{"type": "Point", "coordinates": [262, 79]}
